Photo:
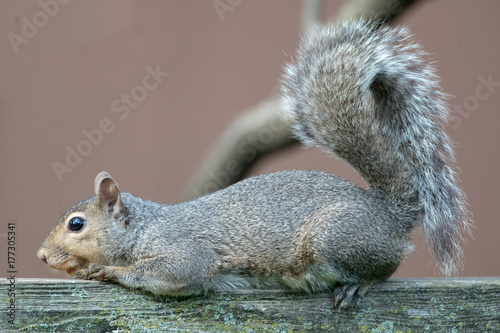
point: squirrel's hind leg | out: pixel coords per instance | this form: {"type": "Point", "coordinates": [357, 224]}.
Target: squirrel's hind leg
{"type": "Point", "coordinates": [349, 295]}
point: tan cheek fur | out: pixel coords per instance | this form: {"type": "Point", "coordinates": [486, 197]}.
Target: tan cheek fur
{"type": "Point", "coordinates": [68, 251]}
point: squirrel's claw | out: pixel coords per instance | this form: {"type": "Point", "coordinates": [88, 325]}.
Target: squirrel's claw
{"type": "Point", "coordinates": [94, 272]}
{"type": "Point", "coordinates": [349, 295]}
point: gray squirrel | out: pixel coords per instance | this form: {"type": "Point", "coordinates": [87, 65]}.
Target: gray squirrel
{"type": "Point", "coordinates": [358, 90]}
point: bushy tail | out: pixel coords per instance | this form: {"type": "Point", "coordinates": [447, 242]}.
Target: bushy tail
{"type": "Point", "coordinates": [366, 94]}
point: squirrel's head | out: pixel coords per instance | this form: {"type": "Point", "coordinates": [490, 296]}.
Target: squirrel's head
{"type": "Point", "coordinates": [79, 237]}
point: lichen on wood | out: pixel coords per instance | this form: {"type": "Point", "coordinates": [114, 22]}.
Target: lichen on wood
{"type": "Point", "coordinates": [413, 305]}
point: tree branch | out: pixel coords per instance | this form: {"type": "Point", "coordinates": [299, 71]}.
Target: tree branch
{"type": "Point", "coordinates": [261, 129]}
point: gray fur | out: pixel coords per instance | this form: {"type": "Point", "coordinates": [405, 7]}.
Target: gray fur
{"type": "Point", "coordinates": [355, 91]}
{"type": "Point", "coordinates": [369, 96]}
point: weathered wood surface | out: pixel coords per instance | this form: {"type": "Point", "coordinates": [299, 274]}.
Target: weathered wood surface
{"type": "Point", "coordinates": [414, 305]}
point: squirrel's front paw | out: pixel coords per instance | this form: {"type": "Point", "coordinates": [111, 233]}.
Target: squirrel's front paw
{"type": "Point", "coordinates": [95, 272]}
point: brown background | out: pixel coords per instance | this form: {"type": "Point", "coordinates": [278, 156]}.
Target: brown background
{"type": "Point", "coordinates": [65, 78]}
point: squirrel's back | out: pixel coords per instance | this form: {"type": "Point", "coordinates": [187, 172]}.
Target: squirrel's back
{"type": "Point", "coordinates": [367, 94]}
{"type": "Point", "coordinates": [283, 223]}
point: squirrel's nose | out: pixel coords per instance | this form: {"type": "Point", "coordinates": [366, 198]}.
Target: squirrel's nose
{"type": "Point", "coordinates": [41, 254]}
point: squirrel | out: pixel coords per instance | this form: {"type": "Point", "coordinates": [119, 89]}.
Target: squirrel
{"type": "Point", "coordinates": [360, 90]}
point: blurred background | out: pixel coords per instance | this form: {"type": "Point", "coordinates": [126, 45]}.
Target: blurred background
{"type": "Point", "coordinates": [144, 89]}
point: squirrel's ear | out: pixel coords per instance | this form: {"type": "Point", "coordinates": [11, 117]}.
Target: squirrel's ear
{"type": "Point", "coordinates": [109, 194]}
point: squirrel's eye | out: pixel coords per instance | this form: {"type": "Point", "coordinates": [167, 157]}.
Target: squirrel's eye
{"type": "Point", "coordinates": [76, 224]}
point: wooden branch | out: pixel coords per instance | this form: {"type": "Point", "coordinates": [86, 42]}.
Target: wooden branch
{"type": "Point", "coordinates": [257, 132]}
{"type": "Point", "coordinates": [414, 305]}
{"type": "Point", "coordinates": [245, 141]}
{"type": "Point", "coordinates": [311, 14]}
{"type": "Point", "coordinates": [380, 10]}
